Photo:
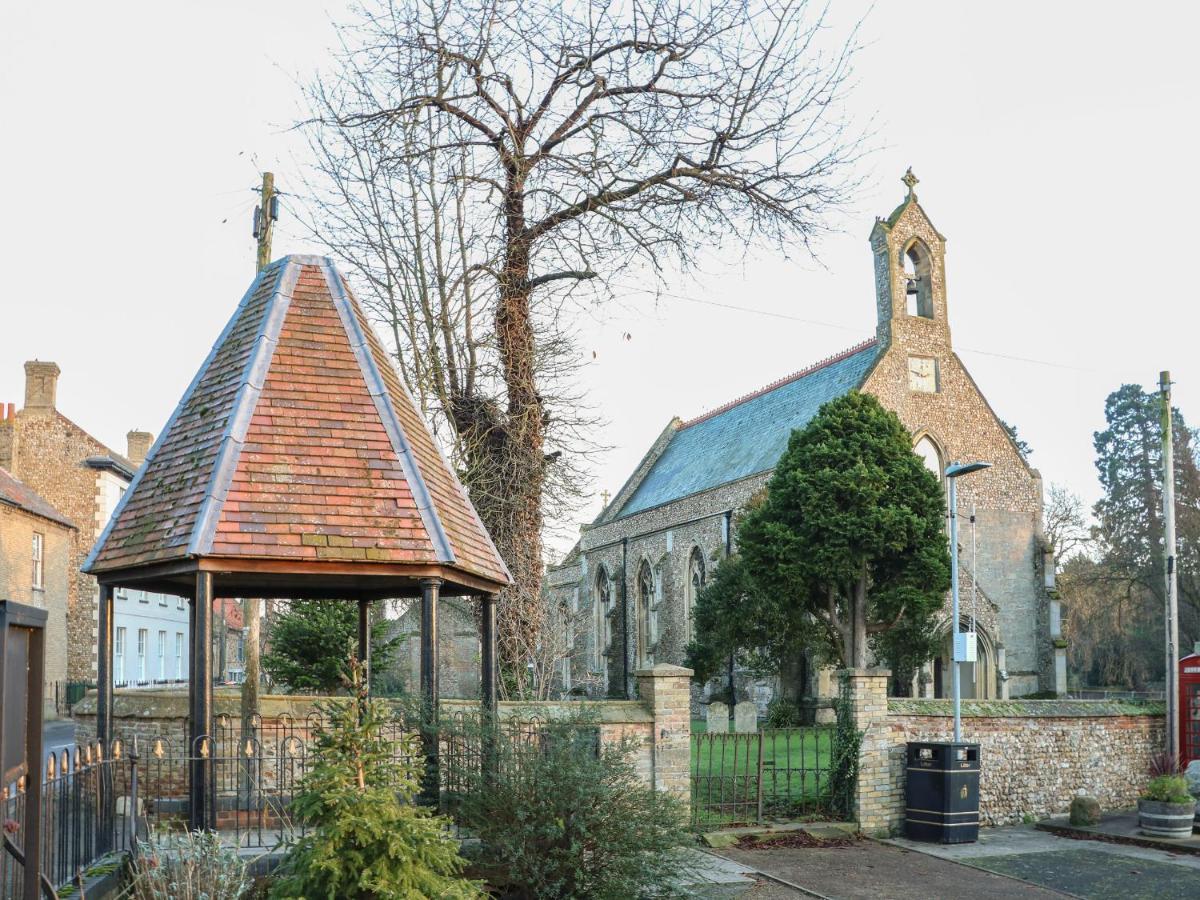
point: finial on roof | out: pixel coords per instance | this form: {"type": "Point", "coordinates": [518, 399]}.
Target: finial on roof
{"type": "Point", "coordinates": [910, 181]}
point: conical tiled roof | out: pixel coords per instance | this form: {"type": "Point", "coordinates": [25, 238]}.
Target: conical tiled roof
{"type": "Point", "coordinates": [297, 441]}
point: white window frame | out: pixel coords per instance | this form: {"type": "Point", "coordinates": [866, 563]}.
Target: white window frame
{"type": "Point", "coordinates": [143, 638]}
{"type": "Point", "coordinates": [179, 655]}
{"type": "Point", "coordinates": [39, 561]}
{"type": "Point", "coordinates": [119, 655]}
{"type": "Point", "coordinates": [162, 655]}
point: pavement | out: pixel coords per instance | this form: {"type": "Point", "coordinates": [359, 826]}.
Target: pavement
{"type": "Point", "coordinates": [1016, 861]}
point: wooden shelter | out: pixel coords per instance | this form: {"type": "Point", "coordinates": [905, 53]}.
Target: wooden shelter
{"type": "Point", "coordinates": [295, 466]}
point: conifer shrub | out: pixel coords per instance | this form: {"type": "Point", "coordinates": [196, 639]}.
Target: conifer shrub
{"type": "Point", "coordinates": [368, 839]}
{"type": "Point", "coordinates": [558, 815]}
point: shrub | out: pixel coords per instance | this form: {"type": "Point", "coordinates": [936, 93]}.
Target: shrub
{"type": "Point", "coordinates": [559, 816]}
{"type": "Point", "coordinates": [1164, 764]}
{"type": "Point", "coordinates": [1168, 789]}
{"type": "Point", "coordinates": [1085, 810]}
{"type": "Point", "coordinates": [843, 761]}
{"type": "Point", "coordinates": [782, 714]}
{"type": "Point", "coordinates": [187, 866]}
{"type": "Point", "coordinates": [368, 839]}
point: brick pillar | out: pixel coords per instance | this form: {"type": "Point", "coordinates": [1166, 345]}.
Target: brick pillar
{"type": "Point", "coordinates": [865, 690]}
{"type": "Point", "coordinates": [664, 689]}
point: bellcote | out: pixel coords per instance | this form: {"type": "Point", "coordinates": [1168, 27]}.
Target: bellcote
{"type": "Point", "coordinates": [910, 276]}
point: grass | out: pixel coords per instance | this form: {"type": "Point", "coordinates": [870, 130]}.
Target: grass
{"type": "Point", "coordinates": [725, 773]}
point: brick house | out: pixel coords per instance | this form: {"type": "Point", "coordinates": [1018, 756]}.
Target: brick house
{"type": "Point", "coordinates": [83, 480]}
{"type": "Point", "coordinates": [630, 582]}
{"type": "Point", "coordinates": [35, 565]}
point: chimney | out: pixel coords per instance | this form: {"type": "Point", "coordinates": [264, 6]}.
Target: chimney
{"type": "Point", "coordinates": [41, 387]}
{"type": "Point", "coordinates": [8, 437]}
{"type": "Point", "coordinates": [138, 444]}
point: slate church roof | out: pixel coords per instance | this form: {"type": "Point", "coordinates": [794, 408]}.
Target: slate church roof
{"type": "Point", "coordinates": [297, 441]}
{"type": "Point", "coordinates": [745, 437]}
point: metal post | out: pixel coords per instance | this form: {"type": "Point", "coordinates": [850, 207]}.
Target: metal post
{"type": "Point", "coordinates": [430, 587]}
{"type": "Point", "coordinates": [201, 784]}
{"type": "Point", "coordinates": [32, 837]}
{"type": "Point", "coordinates": [104, 668]}
{"type": "Point", "coordinates": [1169, 549]}
{"type": "Point", "coordinates": [364, 640]}
{"type": "Point", "coordinates": [487, 654]}
{"type": "Point", "coordinates": [954, 664]}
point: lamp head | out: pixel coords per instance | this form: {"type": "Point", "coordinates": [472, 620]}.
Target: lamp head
{"type": "Point", "coordinates": [955, 469]}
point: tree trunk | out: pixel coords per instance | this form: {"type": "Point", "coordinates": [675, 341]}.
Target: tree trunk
{"type": "Point", "coordinates": [523, 458]}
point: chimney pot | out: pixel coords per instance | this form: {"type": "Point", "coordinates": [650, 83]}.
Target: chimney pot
{"type": "Point", "coordinates": [138, 445]}
{"type": "Point", "coordinates": [41, 386]}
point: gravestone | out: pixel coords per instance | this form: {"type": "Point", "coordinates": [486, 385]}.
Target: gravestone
{"type": "Point", "coordinates": [718, 717]}
{"type": "Point", "coordinates": [745, 717]}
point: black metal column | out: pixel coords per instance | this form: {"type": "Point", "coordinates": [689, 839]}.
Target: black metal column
{"type": "Point", "coordinates": [33, 760]}
{"type": "Point", "coordinates": [487, 654]}
{"type": "Point", "coordinates": [364, 640]}
{"type": "Point", "coordinates": [430, 588]}
{"type": "Point", "coordinates": [104, 669]}
{"type": "Point", "coordinates": [200, 815]}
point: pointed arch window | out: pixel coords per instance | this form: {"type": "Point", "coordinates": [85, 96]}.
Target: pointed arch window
{"type": "Point", "coordinates": [917, 281]}
{"type": "Point", "coordinates": [647, 614]}
{"type": "Point", "coordinates": [932, 455]}
{"type": "Point", "coordinates": [603, 624]}
{"type": "Point", "coordinates": [695, 584]}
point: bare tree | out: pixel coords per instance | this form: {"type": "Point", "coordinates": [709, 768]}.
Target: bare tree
{"type": "Point", "coordinates": [484, 160]}
{"type": "Point", "coordinates": [1065, 524]}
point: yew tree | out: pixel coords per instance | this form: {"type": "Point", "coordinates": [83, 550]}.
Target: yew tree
{"type": "Point", "coordinates": [846, 553]}
{"type": "Point", "coordinates": [488, 169]}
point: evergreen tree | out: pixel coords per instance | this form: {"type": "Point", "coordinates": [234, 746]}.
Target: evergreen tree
{"type": "Point", "coordinates": [846, 553]}
{"type": "Point", "coordinates": [312, 640]}
{"type": "Point", "coordinates": [369, 840]}
{"type": "Point", "coordinates": [1129, 463]}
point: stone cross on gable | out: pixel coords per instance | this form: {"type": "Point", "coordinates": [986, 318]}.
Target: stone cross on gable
{"type": "Point", "coordinates": [605, 496]}
{"type": "Point", "coordinates": [910, 181]}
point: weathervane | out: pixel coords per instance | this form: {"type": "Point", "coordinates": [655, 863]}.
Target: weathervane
{"type": "Point", "coordinates": [910, 181]}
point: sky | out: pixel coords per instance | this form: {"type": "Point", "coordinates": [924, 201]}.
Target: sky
{"type": "Point", "coordinates": [1054, 143]}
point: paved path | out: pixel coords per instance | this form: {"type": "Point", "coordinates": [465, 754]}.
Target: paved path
{"type": "Point", "coordinates": [868, 870]}
{"type": "Point", "coordinates": [57, 735]}
{"type": "Point", "coordinates": [1090, 869]}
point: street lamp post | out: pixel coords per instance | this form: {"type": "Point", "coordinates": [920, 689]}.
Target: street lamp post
{"type": "Point", "coordinates": [953, 471]}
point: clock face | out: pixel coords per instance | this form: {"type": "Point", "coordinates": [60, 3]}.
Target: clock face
{"type": "Point", "coordinates": [922, 374]}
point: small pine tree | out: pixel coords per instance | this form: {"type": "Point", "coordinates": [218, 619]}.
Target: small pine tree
{"type": "Point", "coordinates": [368, 838]}
{"type": "Point", "coordinates": [309, 641]}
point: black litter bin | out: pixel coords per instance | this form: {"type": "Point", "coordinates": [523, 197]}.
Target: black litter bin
{"type": "Point", "coordinates": [942, 799]}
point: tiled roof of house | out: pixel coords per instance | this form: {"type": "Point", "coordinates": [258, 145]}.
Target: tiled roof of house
{"type": "Point", "coordinates": [747, 436]}
{"type": "Point", "coordinates": [15, 492]}
{"type": "Point", "coordinates": [297, 440]}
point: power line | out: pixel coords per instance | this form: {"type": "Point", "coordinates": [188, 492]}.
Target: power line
{"type": "Point", "coordinates": [817, 322]}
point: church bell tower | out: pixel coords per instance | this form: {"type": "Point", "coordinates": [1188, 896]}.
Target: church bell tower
{"type": "Point", "coordinates": [910, 277]}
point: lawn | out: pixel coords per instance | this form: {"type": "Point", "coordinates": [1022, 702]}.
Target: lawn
{"type": "Point", "coordinates": [725, 773]}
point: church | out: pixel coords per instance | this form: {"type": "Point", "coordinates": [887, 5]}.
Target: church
{"type": "Point", "coordinates": [627, 589]}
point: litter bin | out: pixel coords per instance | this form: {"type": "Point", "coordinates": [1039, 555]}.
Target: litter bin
{"type": "Point", "coordinates": [942, 799]}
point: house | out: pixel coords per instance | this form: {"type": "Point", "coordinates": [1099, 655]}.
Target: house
{"type": "Point", "coordinates": [84, 480]}
{"type": "Point", "coordinates": [35, 566]}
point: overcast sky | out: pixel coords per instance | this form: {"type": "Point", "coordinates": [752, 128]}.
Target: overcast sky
{"type": "Point", "coordinates": [1055, 144]}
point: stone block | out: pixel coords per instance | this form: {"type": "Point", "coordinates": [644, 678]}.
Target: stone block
{"type": "Point", "coordinates": [745, 717]}
{"type": "Point", "coordinates": [718, 717]}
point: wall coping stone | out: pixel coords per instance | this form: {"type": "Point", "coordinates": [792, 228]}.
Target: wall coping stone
{"type": "Point", "coordinates": [1018, 708]}
{"type": "Point", "coordinates": [664, 670]}
{"type": "Point", "coordinates": [872, 672]}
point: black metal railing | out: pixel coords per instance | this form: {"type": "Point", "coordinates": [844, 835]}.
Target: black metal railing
{"type": "Point", "coordinates": [83, 818]}
{"type": "Point", "coordinates": [748, 777]}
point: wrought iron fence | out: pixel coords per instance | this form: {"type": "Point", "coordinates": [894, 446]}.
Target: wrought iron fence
{"type": "Point", "coordinates": [749, 777]}
{"type": "Point", "coordinates": [83, 817]}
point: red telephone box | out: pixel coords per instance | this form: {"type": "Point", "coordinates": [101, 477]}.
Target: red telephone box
{"type": "Point", "coordinates": [1189, 708]}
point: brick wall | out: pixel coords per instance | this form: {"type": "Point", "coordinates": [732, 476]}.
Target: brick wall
{"type": "Point", "coordinates": [16, 582]}
{"type": "Point", "coordinates": [658, 724]}
{"type": "Point", "coordinates": [1035, 755]}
